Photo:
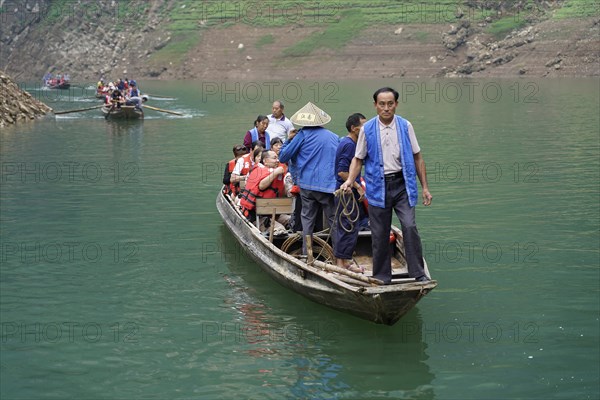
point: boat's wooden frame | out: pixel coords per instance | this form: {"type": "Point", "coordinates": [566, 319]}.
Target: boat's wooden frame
{"type": "Point", "coordinates": [383, 304]}
{"type": "Point", "coordinates": [123, 112]}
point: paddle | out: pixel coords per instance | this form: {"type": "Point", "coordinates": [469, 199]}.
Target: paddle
{"type": "Point", "coordinates": [161, 110]}
{"type": "Point", "coordinates": [159, 96]}
{"type": "Point", "coordinates": [79, 110]}
{"type": "Point", "coordinates": [109, 111]}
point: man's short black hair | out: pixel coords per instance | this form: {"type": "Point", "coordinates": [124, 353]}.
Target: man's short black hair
{"type": "Point", "coordinates": [264, 155]}
{"type": "Point", "coordinates": [385, 90]}
{"type": "Point", "coordinates": [239, 149]}
{"type": "Point", "coordinates": [354, 120]}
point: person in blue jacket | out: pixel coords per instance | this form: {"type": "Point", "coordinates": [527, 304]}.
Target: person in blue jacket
{"type": "Point", "coordinates": [311, 151]}
{"type": "Point", "coordinates": [388, 147]}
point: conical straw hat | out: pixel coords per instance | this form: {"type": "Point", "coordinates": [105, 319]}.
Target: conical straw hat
{"type": "Point", "coordinates": [310, 115]}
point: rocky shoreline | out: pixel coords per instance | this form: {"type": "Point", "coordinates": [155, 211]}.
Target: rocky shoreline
{"type": "Point", "coordinates": [17, 105]}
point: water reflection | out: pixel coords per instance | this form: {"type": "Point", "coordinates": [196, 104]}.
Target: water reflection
{"type": "Point", "coordinates": [125, 140]}
{"type": "Point", "coordinates": [330, 354]}
{"type": "Point", "coordinates": [125, 127]}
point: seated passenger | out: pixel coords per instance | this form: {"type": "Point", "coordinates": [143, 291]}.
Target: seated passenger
{"type": "Point", "coordinates": [117, 98]}
{"type": "Point", "coordinates": [265, 181]}
{"type": "Point", "coordinates": [232, 188]}
{"type": "Point", "coordinates": [245, 164]}
{"type": "Point", "coordinates": [276, 144]}
{"type": "Point", "coordinates": [259, 132]}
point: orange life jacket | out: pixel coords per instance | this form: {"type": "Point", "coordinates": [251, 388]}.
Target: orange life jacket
{"type": "Point", "coordinates": [233, 187]}
{"type": "Point", "coordinates": [247, 167]}
{"type": "Point", "coordinates": [251, 192]}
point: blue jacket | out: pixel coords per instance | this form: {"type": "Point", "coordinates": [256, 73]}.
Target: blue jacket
{"type": "Point", "coordinates": [254, 135]}
{"type": "Point", "coordinates": [343, 158]}
{"type": "Point", "coordinates": [374, 175]}
{"type": "Point", "coordinates": [312, 152]}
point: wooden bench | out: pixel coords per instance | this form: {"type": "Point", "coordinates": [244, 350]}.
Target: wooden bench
{"type": "Point", "coordinates": [272, 207]}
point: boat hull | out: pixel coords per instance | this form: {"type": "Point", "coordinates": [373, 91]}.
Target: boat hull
{"type": "Point", "coordinates": [382, 304]}
{"type": "Point", "coordinates": [62, 86]}
{"type": "Point", "coordinates": [123, 112]}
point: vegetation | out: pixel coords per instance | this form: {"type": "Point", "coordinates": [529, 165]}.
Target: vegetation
{"type": "Point", "coordinates": [122, 12]}
{"type": "Point", "coordinates": [265, 40]}
{"type": "Point", "coordinates": [335, 36]}
{"type": "Point", "coordinates": [339, 21]}
{"type": "Point", "coordinates": [504, 26]}
{"type": "Point", "coordinates": [421, 36]}
{"type": "Point", "coordinates": [578, 9]}
{"type": "Point", "coordinates": [176, 50]}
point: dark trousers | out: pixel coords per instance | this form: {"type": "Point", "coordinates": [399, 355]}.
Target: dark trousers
{"type": "Point", "coordinates": [296, 222]}
{"type": "Point", "coordinates": [311, 203]}
{"type": "Point", "coordinates": [396, 199]}
{"type": "Point", "coordinates": [346, 232]}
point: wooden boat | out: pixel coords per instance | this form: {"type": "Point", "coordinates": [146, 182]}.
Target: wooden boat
{"type": "Point", "coordinates": [321, 281]}
{"type": "Point", "coordinates": [57, 84]}
{"type": "Point", "coordinates": [123, 112]}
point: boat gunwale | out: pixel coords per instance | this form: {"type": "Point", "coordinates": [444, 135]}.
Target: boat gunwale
{"type": "Point", "coordinates": [364, 290]}
{"type": "Point", "coordinates": [123, 112]}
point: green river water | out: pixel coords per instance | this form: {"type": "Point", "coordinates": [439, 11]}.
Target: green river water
{"type": "Point", "coordinates": [119, 280]}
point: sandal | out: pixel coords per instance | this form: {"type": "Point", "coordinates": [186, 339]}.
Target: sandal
{"type": "Point", "coordinates": [355, 268]}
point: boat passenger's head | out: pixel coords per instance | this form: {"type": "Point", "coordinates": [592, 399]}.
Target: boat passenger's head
{"type": "Point", "coordinates": [277, 109]}
{"type": "Point", "coordinates": [354, 122]}
{"type": "Point", "coordinates": [239, 150]}
{"type": "Point", "coordinates": [276, 144]}
{"type": "Point", "coordinates": [269, 159]}
{"type": "Point", "coordinates": [261, 123]}
{"type": "Point", "coordinates": [257, 143]}
{"type": "Point", "coordinates": [257, 153]}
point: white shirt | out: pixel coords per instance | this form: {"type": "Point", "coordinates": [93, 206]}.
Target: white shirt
{"type": "Point", "coordinates": [239, 165]}
{"type": "Point", "coordinates": [389, 145]}
{"type": "Point", "coordinates": [279, 127]}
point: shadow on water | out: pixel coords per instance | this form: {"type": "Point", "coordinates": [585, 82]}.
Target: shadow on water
{"type": "Point", "coordinates": [331, 354]}
{"type": "Point", "coordinates": [125, 127]}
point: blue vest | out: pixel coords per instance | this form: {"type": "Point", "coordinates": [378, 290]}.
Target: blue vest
{"type": "Point", "coordinates": [374, 175]}
{"type": "Point", "coordinates": [254, 135]}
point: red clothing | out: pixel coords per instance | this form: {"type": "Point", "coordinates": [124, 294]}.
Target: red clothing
{"type": "Point", "coordinates": [230, 187]}
{"type": "Point", "coordinates": [247, 164]}
{"type": "Point", "coordinates": [252, 191]}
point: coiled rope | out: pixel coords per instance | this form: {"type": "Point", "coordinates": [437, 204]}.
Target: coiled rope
{"type": "Point", "coordinates": [347, 208]}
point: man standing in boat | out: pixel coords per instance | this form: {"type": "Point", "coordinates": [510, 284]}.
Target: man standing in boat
{"type": "Point", "coordinates": [279, 125]}
{"type": "Point", "coordinates": [312, 150]}
{"type": "Point", "coordinates": [347, 223]}
{"type": "Point", "coordinates": [388, 147]}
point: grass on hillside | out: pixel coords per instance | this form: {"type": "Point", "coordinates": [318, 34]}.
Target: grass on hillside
{"type": "Point", "coordinates": [186, 14]}
{"type": "Point", "coordinates": [578, 9]}
{"type": "Point", "coordinates": [504, 26]}
{"type": "Point", "coordinates": [117, 14]}
{"type": "Point", "coordinates": [176, 50]}
{"type": "Point", "coordinates": [340, 20]}
{"type": "Point", "coordinates": [335, 35]}
{"type": "Point", "coordinates": [264, 40]}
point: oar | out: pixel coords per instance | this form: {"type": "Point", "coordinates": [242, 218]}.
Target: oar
{"type": "Point", "coordinates": [161, 110]}
{"type": "Point", "coordinates": [159, 96]}
{"type": "Point", "coordinates": [79, 110]}
{"type": "Point", "coordinates": [109, 111]}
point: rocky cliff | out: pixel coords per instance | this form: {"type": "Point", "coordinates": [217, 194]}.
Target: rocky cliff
{"type": "Point", "coordinates": [177, 39]}
{"type": "Point", "coordinates": [17, 105]}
